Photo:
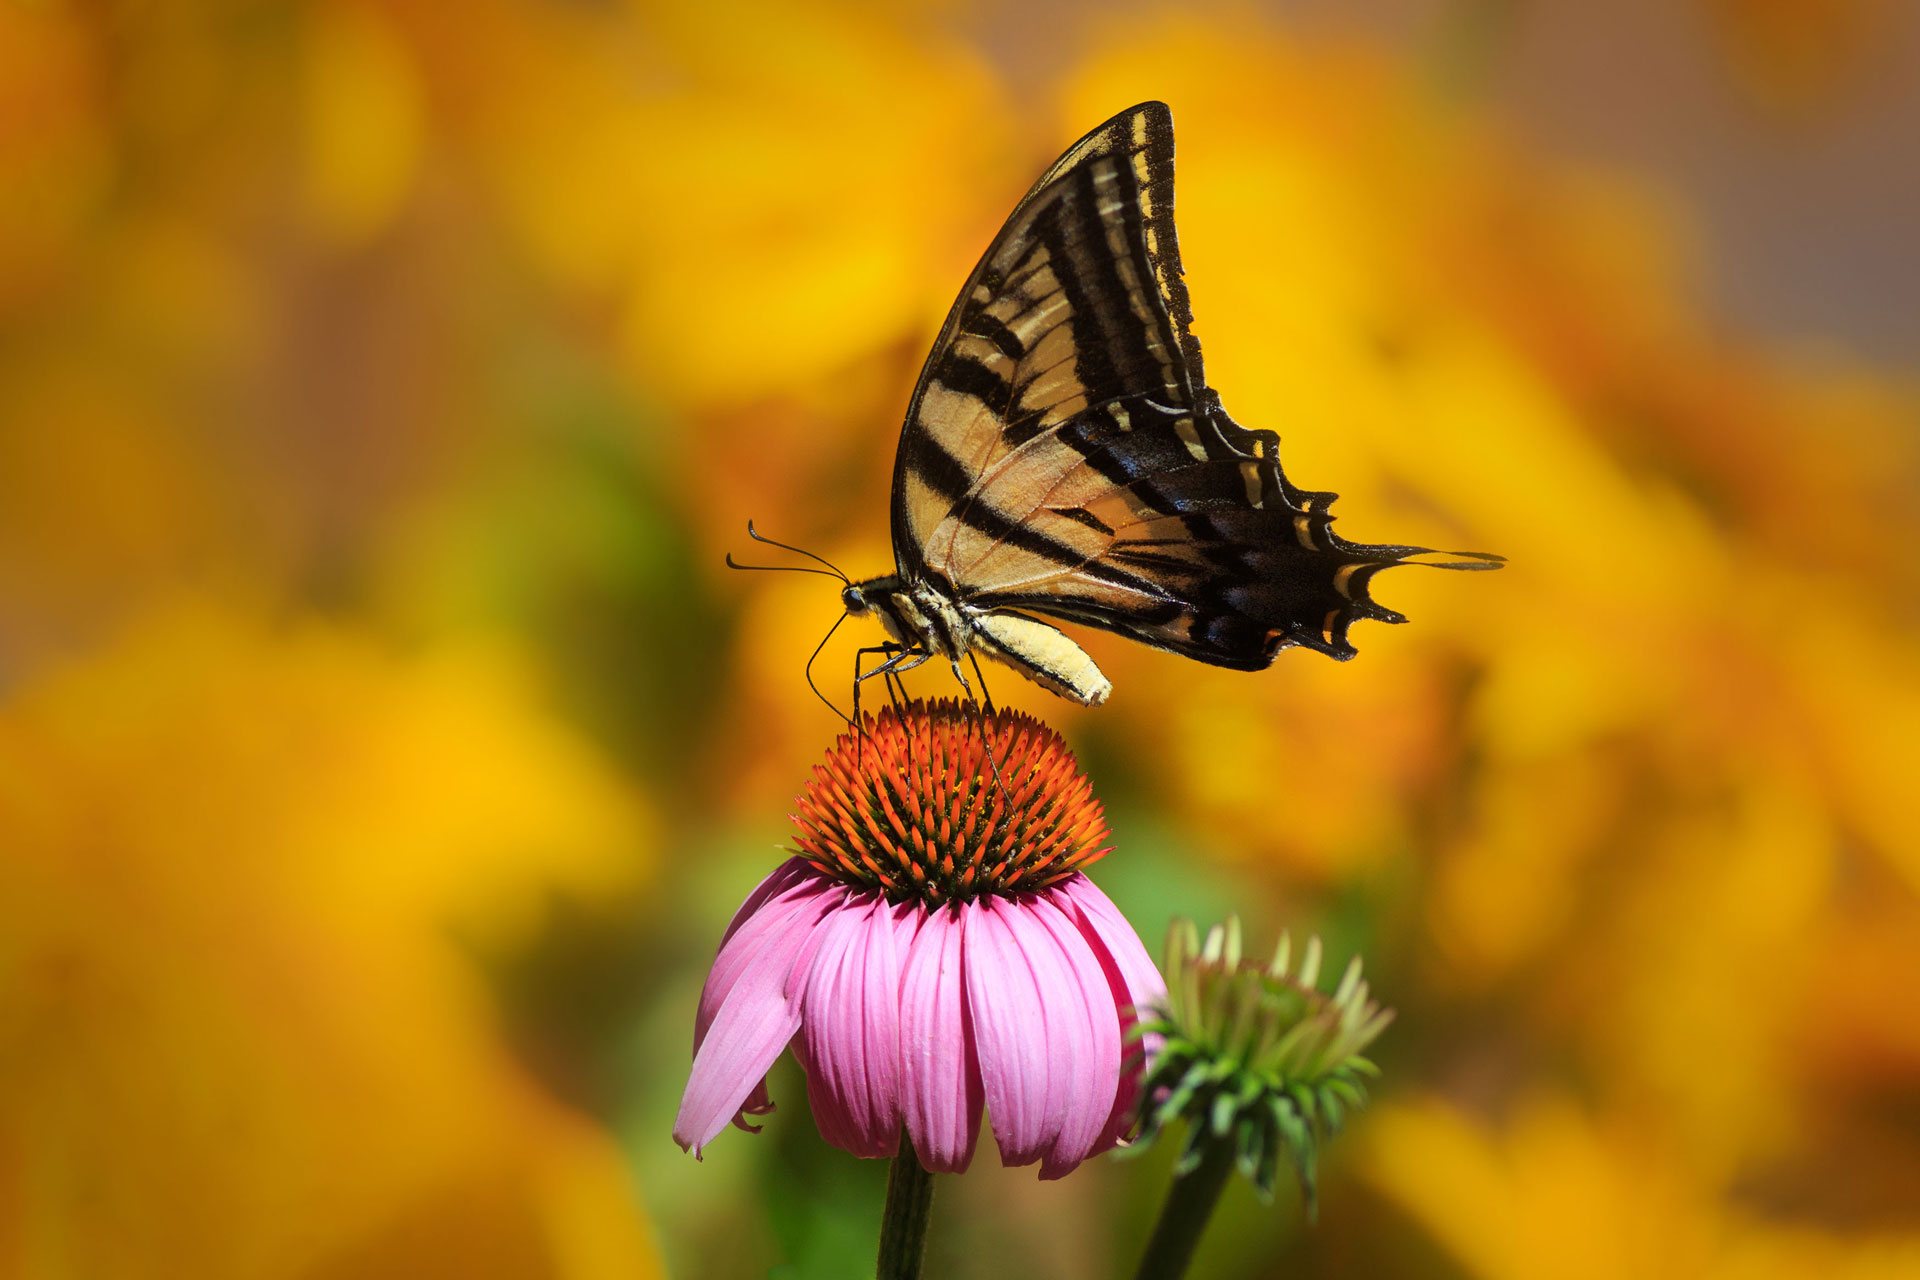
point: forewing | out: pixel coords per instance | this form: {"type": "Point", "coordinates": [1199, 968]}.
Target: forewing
{"type": "Point", "coordinates": [1078, 303]}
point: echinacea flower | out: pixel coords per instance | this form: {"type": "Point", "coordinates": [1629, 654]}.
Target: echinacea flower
{"type": "Point", "coordinates": [933, 947]}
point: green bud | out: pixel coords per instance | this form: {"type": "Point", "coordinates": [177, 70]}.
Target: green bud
{"type": "Point", "coordinates": [1256, 1056]}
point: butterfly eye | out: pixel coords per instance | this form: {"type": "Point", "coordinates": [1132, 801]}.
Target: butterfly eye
{"type": "Point", "coordinates": [854, 601]}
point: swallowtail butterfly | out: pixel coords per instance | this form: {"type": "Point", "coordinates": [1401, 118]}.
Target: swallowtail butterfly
{"type": "Point", "coordinates": [1063, 456]}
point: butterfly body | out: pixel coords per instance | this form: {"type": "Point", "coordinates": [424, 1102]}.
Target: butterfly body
{"type": "Point", "coordinates": [925, 622]}
{"type": "Point", "coordinates": [1063, 456]}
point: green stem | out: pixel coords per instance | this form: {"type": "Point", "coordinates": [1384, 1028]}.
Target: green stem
{"type": "Point", "coordinates": [1189, 1204]}
{"type": "Point", "coordinates": [903, 1223]}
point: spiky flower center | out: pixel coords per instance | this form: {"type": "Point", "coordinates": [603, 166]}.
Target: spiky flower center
{"type": "Point", "coordinates": [942, 803]}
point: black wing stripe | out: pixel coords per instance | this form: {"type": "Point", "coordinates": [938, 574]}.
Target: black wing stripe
{"type": "Point", "coordinates": [939, 470]}
{"type": "Point", "coordinates": [982, 518]}
{"type": "Point", "coordinates": [969, 377]}
{"type": "Point", "coordinates": [1033, 302]}
{"type": "Point", "coordinates": [1168, 329]}
{"type": "Point", "coordinates": [1080, 515]}
{"type": "Point", "coordinates": [991, 330]}
{"type": "Point", "coordinates": [1118, 320]}
{"type": "Point", "coordinates": [1093, 364]}
{"type": "Point", "coordinates": [1016, 283]}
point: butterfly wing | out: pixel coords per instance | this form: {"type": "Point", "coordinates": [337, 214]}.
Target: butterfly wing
{"type": "Point", "coordinates": [1054, 319]}
{"type": "Point", "coordinates": [1063, 454]}
{"type": "Point", "coordinates": [1196, 541]}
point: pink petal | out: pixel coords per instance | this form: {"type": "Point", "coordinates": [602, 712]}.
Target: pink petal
{"type": "Point", "coordinates": [759, 1013]}
{"type": "Point", "coordinates": [940, 1090]}
{"type": "Point", "coordinates": [1082, 1005]}
{"type": "Point", "coordinates": [1008, 1004]}
{"type": "Point", "coordinates": [849, 1030]}
{"type": "Point", "coordinates": [782, 878]}
{"type": "Point", "coordinates": [768, 909]}
{"type": "Point", "coordinates": [765, 912]}
{"type": "Point", "coordinates": [907, 919]}
{"type": "Point", "coordinates": [1134, 981]}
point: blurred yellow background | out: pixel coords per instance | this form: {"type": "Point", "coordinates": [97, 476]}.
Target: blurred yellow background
{"type": "Point", "coordinates": [384, 746]}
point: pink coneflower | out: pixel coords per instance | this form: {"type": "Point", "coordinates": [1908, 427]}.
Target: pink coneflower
{"type": "Point", "coordinates": [933, 947]}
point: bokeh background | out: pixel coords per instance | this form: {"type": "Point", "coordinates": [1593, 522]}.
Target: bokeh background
{"type": "Point", "coordinates": [384, 746]}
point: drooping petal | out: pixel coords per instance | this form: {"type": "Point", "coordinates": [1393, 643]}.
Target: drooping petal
{"type": "Point", "coordinates": [1009, 1010]}
{"type": "Point", "coordinates": [782, 878]}
{"type": "Point", "coordinates": [757, 1017]}
{"type": "Point", "coordinates": [1131, 975]}
{"type": "Point", "coordinates": [940, 1087]}
{"type": "Point", "coordinates": [849, 1038]}
{"type": "Point", "coordinates": [767, 911]}
{"type": "Point", "coordinates": [1083, 1006]}
{"type": "Point", "coordinates": [770, 908]}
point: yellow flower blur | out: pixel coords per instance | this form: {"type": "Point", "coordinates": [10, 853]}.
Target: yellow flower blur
{"type": "Point", "coordinates": [240, 1039]}
{"type": "Point", "coordinates": [1553, 1194]}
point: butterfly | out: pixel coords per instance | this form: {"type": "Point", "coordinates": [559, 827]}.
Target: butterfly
{"type": "Point", "coordinates": [1063, 456]}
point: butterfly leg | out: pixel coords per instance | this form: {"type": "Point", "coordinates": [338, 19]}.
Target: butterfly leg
{"type": "Point", "coordinates": [898, 658]}
{"type": "Point", "coordinates": [905, 660]}
{"type": "Point", "coordinates": [981, 676]}
{"type": "Point", "coordinates": [980, 725]}
{"type": "Point", "coordinates": [888, 651]}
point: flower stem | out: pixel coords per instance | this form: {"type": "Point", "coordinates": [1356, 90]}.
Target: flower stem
{"type": "Point", "coordinates": [903, 1223]}
{"type": "Point", "coordinates": [1189, 1205]}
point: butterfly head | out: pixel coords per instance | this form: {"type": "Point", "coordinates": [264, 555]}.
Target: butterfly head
{"type": "Point", "coordinates": [912, 615]}
{"type": "Point", "coordinates": [861, 598]}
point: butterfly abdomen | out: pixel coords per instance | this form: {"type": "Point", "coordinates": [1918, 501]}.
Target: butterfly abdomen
{"type": "Point", "coordinates": [1044, 655]}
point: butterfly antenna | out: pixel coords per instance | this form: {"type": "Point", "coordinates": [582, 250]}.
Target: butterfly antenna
{"type": "Point", "coordinates": [781, 568]}
{"type": "Point", "coordinates": [814, 655]}
{"type": "Point", "coordinates": [757, 536]}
